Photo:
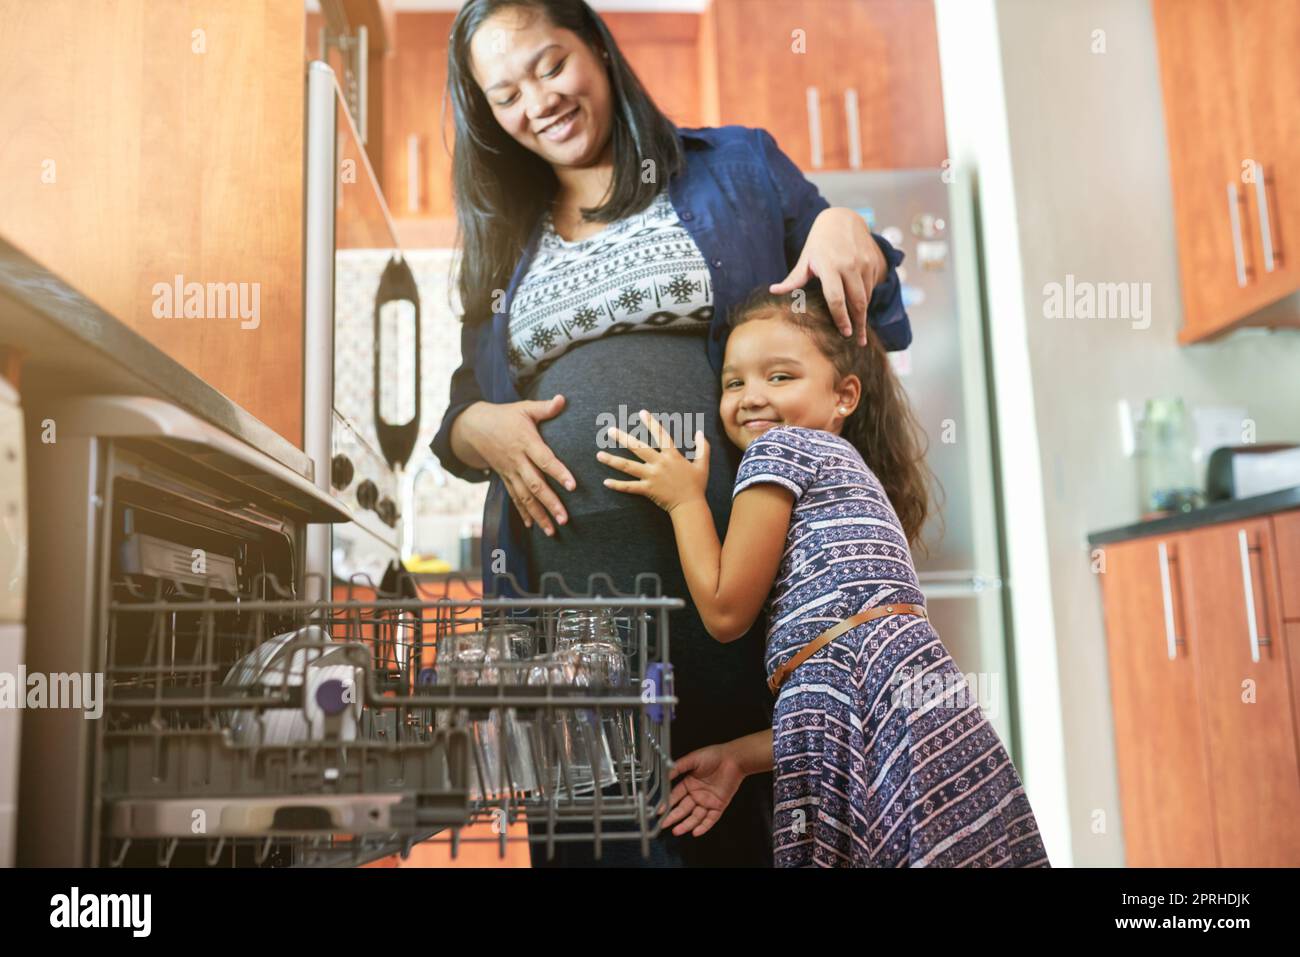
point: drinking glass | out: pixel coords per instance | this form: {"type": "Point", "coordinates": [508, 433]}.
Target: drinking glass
{"type": "Point", "coordinates": [517, 641]}
{"type": "Point", "coordinates": [464, 660]}
{"type": "Point", "coordinates": [583, 761]}
{"type": "Point", "coordinates": [579, 625]}
{"type": "Point", "coordinates": [509, 667]}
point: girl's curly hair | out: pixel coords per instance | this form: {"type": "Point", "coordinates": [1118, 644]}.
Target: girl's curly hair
{"type": "Point", "coordinates": [883, 427]}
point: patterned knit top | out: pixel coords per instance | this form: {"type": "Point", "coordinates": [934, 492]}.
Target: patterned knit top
{"type": "Point", "coordinates": [641, 272]}
{"type": "Point", "coordinates": [845, 550]}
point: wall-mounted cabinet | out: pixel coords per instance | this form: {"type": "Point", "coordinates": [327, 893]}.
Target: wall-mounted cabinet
{"type": "Point", "coordinates": [840, 84]}
{"type": "Point", "coordinates": [416, 172]}
{"type": "Point", "coordinates": [1231, 83]}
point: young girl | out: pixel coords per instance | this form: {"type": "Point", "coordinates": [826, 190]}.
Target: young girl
{"type": "Point", "coordinates": [881, 757]}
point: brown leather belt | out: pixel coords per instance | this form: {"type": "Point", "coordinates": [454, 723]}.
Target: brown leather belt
{"type": "Point", "coordinates": [830, 634]}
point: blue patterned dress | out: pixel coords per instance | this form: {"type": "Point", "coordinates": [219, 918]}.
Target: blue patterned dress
{"type": "Point", "coordinates": [883, 756]}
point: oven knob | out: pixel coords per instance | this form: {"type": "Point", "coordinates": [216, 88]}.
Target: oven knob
{"type": "Point", "coordinates": [386, 511]}
{"type": "Point", "coordinates": [341, 471]}
{"type": "Point", "coordinates": [367, 494]}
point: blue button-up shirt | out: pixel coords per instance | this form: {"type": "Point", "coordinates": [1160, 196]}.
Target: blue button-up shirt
{"type": "Point", "coordinates": [749, 210]}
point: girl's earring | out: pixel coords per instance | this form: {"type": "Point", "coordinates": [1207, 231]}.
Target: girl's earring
{"type": "Point", "coordinates": [843, 411]}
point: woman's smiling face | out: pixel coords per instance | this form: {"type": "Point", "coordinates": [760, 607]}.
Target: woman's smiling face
{"type": "Point", "coordinates": [546, 87]}
{"type": "Point", "coordinates": [774, 374]}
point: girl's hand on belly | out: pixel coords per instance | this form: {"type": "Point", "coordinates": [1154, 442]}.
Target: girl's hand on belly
{"type": "Point", "coordinates": [663, 474]}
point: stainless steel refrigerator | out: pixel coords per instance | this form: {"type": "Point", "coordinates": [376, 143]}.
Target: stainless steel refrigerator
{"type": "Point", "coordinates": [947, 379]}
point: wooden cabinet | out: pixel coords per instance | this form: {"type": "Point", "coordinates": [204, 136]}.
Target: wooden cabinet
{"type": "Point", "coordinates": [1286, 536]}
{"type": "Point", "coordinates": [1203, 672]}
{"type": "Point", "coordinates": [662, 49]}
{"type": "Point", "coordinates": [840, 84]}
{"type": "Point", "coordinates": [150, 144]}
{"type": "Point", "coordinates": [1231, 86]}
{"type": "Point", "coordinates": [1234, 629]}
{"type": "Point", "coordinates": [1266, 42]}
{"type": "Point", "coordinates": [1286, 532]}
{"type": "Point", "coordinates": [874, 65]}
{"type": "Point", "coordinates": [1164, 775]}
{"type": "Point", "coordinates": [416, 172]}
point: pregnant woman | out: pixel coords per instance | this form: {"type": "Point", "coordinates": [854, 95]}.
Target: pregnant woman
{"type": "Point", "coordinates": [600, 248]}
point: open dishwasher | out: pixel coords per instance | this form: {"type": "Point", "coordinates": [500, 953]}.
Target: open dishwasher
{"type": "Point", "coordinates": [246, 723]}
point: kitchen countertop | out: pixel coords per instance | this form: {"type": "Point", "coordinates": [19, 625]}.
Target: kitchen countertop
{"type": "Point", "coordinates": [1226, 511]}
{"type": "Point", "coordinates": [71, 346]}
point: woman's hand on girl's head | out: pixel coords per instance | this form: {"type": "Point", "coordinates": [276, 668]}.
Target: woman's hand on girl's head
{"type": "Point", "coordinates": [663, 474]}
{"type": "Point", "coordinates": [841, 253]}
{"type": "Point", "coordinates": [506, 436]}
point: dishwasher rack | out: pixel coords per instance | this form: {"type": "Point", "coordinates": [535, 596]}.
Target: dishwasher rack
{"type": "Point", "coordinates": [274, 731]}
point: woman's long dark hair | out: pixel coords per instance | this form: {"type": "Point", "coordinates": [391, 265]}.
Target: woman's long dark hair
{"type": "Point", "coordinates": [501, 188]}
{"type": "Point", "coordinates": [883, 427]}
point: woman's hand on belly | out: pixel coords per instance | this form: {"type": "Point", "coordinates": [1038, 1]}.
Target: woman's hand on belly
{"type": "Point", "coordinates": [505, 435]}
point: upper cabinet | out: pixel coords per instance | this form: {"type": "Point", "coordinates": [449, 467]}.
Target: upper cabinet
{"type": "Point", "coordinates": [1266, 35]}
{"type": "Point", "coordinates": [1231, 83]}
{"type": "Point", "coordinates": [418, 138]}
{"type": "Point", "coordinates": [664, 52]}
{"type": "Point", "coordinates": [840, 84]}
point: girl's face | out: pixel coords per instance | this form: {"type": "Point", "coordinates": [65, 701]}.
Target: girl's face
{"type": "Point", "coordinates": [774, 374]}
{"type": "Point", "coordinates": [546, 87]}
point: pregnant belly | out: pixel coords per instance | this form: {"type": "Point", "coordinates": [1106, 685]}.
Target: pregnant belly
{"type": "Point", "coordinates": [604, 382]}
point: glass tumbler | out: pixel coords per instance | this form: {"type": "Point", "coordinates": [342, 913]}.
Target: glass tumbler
{"type": "Point", "coordinates": [579, 625]}
{"type": "Point", "coordinates": [578, 753]}
{"type": "Point", "coordinates": [1167, 470]}
{"type": "Point", "coordinates": [508, 666]}
{"type": "Point", "coordinates": [464, 661]}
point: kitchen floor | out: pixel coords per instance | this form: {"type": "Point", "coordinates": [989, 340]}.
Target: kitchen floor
{"type": "Point", "coordinates": [437, 853]}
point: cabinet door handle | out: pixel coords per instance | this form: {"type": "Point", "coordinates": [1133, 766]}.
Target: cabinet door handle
{"type": "Point", "coordinates": [1247, 582]}
{"type": "Point", "coordinates": [1234, 215]}
{"type": "Point", "coordinates": [413, 173]}
{"type": "Point", "coordinates": [815, 126]}
{"type": "Point", "coordinates": [1265, 232]}
{"type": "Point", "coordinates": [1167, 594]}
{"type": "Point", "coordinates": [855, 133]}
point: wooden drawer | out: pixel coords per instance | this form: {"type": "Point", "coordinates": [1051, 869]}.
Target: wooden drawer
{"type": "Point", "coordinates": [1286, 533]}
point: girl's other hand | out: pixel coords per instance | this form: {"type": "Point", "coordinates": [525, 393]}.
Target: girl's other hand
{"type": "Point", "coordinates": [505, 434]}
{"type": "Point", "coordinates": [709, 779]}
{"type": "Point", "coordinates": [841, 253]}
{"type": "Point", "coordinates": [664, 475]}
